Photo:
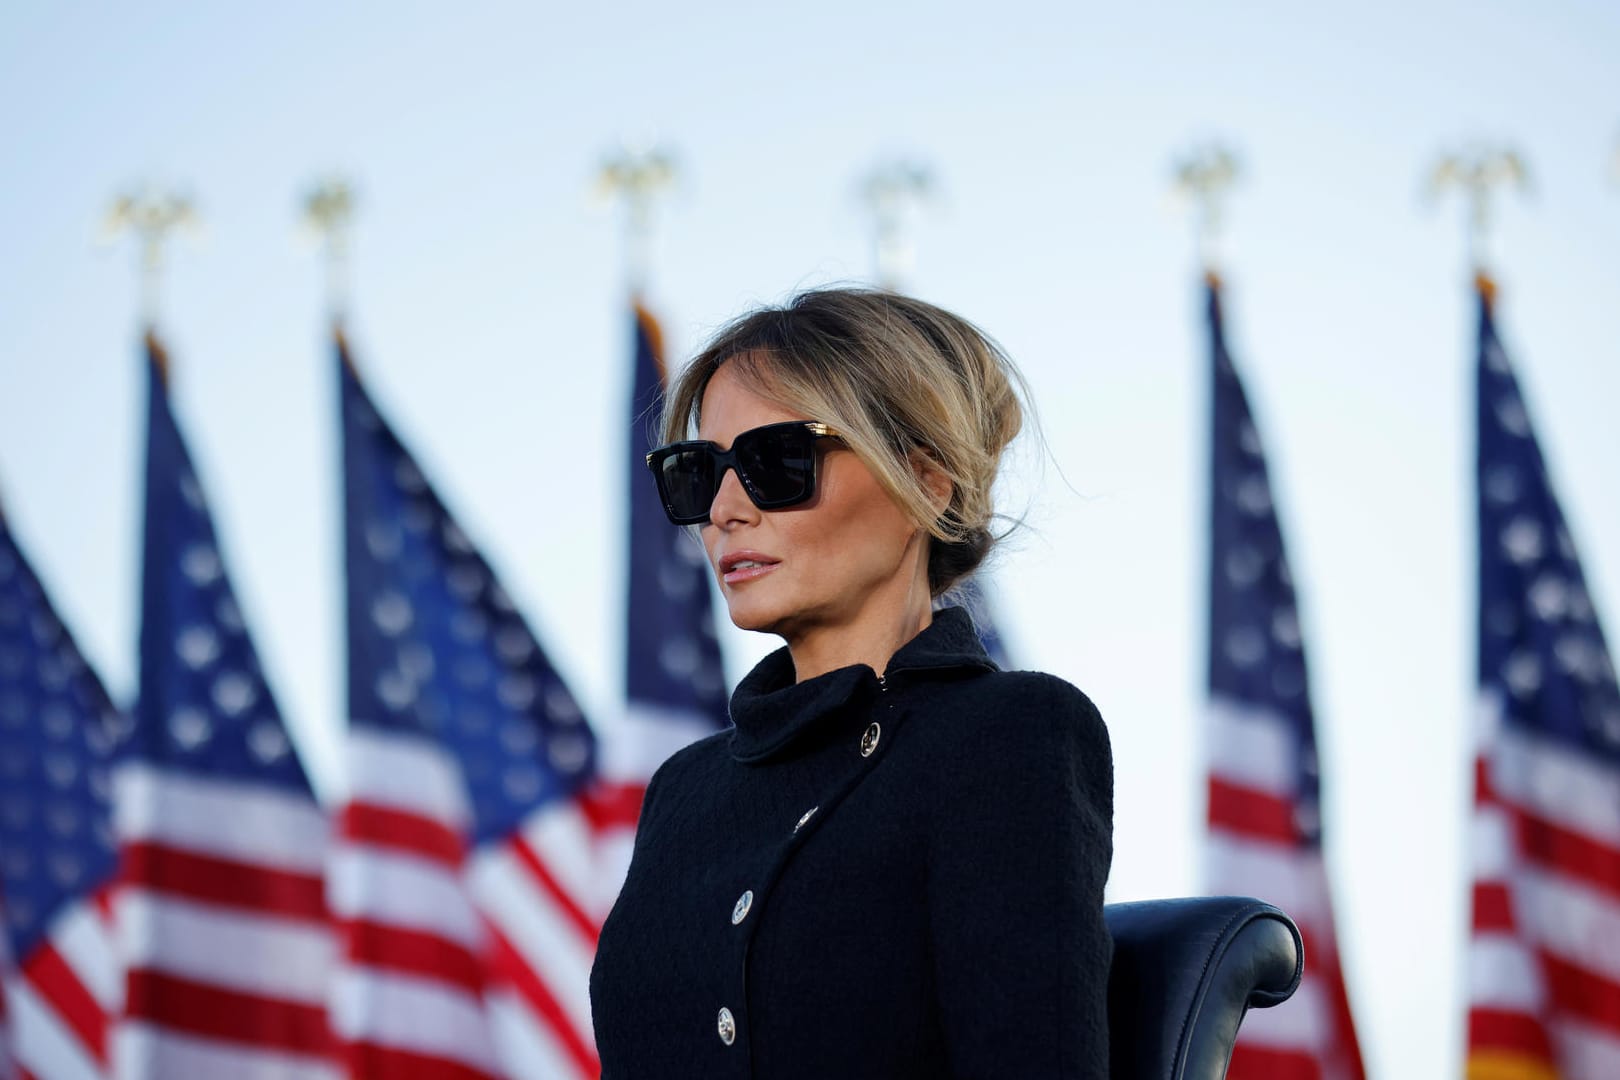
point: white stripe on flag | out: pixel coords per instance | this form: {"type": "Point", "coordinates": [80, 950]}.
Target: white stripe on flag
{"type": "Point", "coordinates": [401, 890]}
{"type": "Point", "coordinates": [1252, 747]}
{"type": "Point", "coordinates": [1279, 874]}
{"type": "Point", "coordinates": [287, 959]}
{"type": "Point", "coordinates": [229, 819]}
{"type": "Point", "coordinates": [1587, 1052]}
{"type": "Point", "coordinates": [1503, 974]}
{"type": "Point", "coordinates": [1487, 721]}
{"type": "Point", "coordinates": [542, 934]}
{"type": "Point", "coordinates": [642, 738]}
{"type": "Point", "coordinates": [1564, 786]}
{"type": "Point", "coordinates": [1491, 838]}
{"type": "Point", "coordinates": [563, 841]}
{"type": "Point", "coordinates": [527, 1048]}
{"type": "Point", "coordinates": [1300, 1023]}
{"type": "Point", "coordinates": [89, 949]}
{"type": "Point", "coordinates": [613, 850]}
{"type": "Point", "coordinates": [42, 1042]}
{"type": "Point", "coordinates": [409, 1013]}
{"type": "Point", "coordinates": [1571, 920]}
{"type": "Point", "coordinates": [142, 1052]}
{"type": "Point", "coordinates": [401, 772]}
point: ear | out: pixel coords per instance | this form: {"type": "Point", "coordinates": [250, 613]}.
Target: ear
{"type": "Point", "coordinates": [933, 478]}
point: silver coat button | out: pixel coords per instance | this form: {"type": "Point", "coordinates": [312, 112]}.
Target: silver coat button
{"type": "Point", "coordinates": [727, 1027]}
{"type": "Point", "coordinates": [869, 740]}
{"type": "Point", "coordinates": [808, 814]}
{"type": "Point", "coordinates": [740, 911]}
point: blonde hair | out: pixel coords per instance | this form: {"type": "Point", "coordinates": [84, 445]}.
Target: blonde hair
{"type": "Point", "coordinates": [894, 376]}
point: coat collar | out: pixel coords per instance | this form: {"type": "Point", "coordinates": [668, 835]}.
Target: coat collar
{"type": "Point", "coordinates": [771, 711]}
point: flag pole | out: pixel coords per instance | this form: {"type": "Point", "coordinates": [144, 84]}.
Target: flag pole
{"type": "Point", "coordinates": [1479, 173]}
{"type": "Point", "coordinates": [637, 176]}
{"type": "Point", "coordinates": [1204, 177]}
{"type": "Point", "coordinates": [152, 215]}
{"type": "Point", "coordinates": [329, 213]}
{"type": "Point", "coordinates": [892, 191]}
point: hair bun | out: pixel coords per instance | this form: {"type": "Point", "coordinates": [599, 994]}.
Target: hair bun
{"type": "Point", "coordinates": [949, 562]}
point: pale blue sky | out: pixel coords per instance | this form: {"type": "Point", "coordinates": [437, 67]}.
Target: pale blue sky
{"type": "Point", "coordinates": [490, 323]}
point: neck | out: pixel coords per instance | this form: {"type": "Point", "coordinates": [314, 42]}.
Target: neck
{"type": "Point", "coordinates": [888, 620]}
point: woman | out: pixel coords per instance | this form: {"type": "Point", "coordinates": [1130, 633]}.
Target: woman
{"type": "Point", "coordinates": [869, 875]}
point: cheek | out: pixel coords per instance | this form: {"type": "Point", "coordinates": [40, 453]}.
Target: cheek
{"type": "Point", "coordinates": [854, 518]}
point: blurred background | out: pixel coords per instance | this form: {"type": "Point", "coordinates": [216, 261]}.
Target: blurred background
{"type": "Point", "coordinates": [490, 314]}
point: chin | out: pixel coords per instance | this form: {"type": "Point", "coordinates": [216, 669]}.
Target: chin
{"type": "Point", "coordinates": [758, 613]}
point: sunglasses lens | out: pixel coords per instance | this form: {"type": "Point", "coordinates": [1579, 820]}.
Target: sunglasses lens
{"type": "Point", "coordinates": [778, 463]}
{"type": "Point", "coordinates": [687, 480]}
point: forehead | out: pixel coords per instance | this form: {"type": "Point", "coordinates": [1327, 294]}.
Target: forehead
{"type": "Point", "coordinates": [734, 402]}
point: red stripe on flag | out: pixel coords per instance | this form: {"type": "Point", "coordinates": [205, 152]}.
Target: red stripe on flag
{"type": "Point", "coordinates": [1493, 907]}
{"type": "Point", "coordinates": [1502, 1030]}
{"type": "Point", "coordinates": [223, 881]}
{"type": "Point", "coordinates": [1575, 991]}
{"type": "Point", "coordinates": [1571, 854]}
{"type": "Point", "coordinates": [217, 1013]}
{"type": "Point", "coordinates": [412, 952]}
{"type": "Point", "coordinates": [608, 806]}
{"type": "Point", "coordinates": [1250, 812]}
{"type": "Point", "coordinates": [1250, 1062]}
{"type": "Point", "coordinates": [401, 831]}
{"type": "Point", "coordinates": [387, 1063]}
{"type": "Point", "coordinates": [515, 971]}
{"type": "Point", "coordinates": [1484, 791]}
{"type": "Point", "coordinates": [68, 997]}
{"type": "Point", "coordinates": [583, 924]}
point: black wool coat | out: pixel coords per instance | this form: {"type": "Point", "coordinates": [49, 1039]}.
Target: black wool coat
{"type": "Point", "coordinates": [870, 877]}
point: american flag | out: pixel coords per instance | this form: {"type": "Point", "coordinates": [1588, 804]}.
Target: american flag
{"type": "Point", "coordinates": [1265, 837]}
{"type": "Point", "coordinates": [220, 906]}
{"type": "Point", "coordinates": [675, 689]}
{"type": "Point", "coordinates": [59, 975]}
{"type": "Point", "coordinates": [1544, 959]}
{"type": "Point", "coordinates": [465, 877]}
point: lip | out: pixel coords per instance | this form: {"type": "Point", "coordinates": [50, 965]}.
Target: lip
{"type": "Point", "coordinates": [730, 574]}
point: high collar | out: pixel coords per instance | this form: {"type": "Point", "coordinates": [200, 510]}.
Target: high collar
{"type": "Point", "coordinates": [771, 711]}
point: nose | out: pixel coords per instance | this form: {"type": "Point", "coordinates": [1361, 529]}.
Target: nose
{"type": "Point", "coordinates": [732, 506]}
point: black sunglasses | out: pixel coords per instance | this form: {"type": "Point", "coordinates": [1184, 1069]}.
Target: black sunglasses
{"type": "Point", "coordinates": [775, 463]}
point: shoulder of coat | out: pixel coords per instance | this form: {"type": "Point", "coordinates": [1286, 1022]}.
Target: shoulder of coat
{"type": "Point", "coordinates": [1019, 712]}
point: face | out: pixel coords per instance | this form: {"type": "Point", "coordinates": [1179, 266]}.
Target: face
{"type": "Point", "coordinates": [823, 564]}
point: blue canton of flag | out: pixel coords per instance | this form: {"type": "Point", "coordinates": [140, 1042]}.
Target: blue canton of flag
{"type": "Point", "coordinates": [467, 875]}
{"type": "Point", "coordinates": [58, 734]}
{"type": "Point", "coordinates": [1544, 978]}
{"type": "Point", "coordinates": [221, 908]}
{"type": "Point", "coordinates": [436, 646]}
{"type": "Point", "coordinates": [1541, 648]}
{"type": "Point", "coordinates": [1256, 652]}
{"type": "Point", "coordinates": [672, 657]}
{"type": "Point", "coordinates": [1264, 828]}
{"type": "Point", "coordinates": [204, 706]}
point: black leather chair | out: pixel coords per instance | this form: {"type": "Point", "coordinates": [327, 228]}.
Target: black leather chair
{"type": "Point", "coordinates": [1185, 973]}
